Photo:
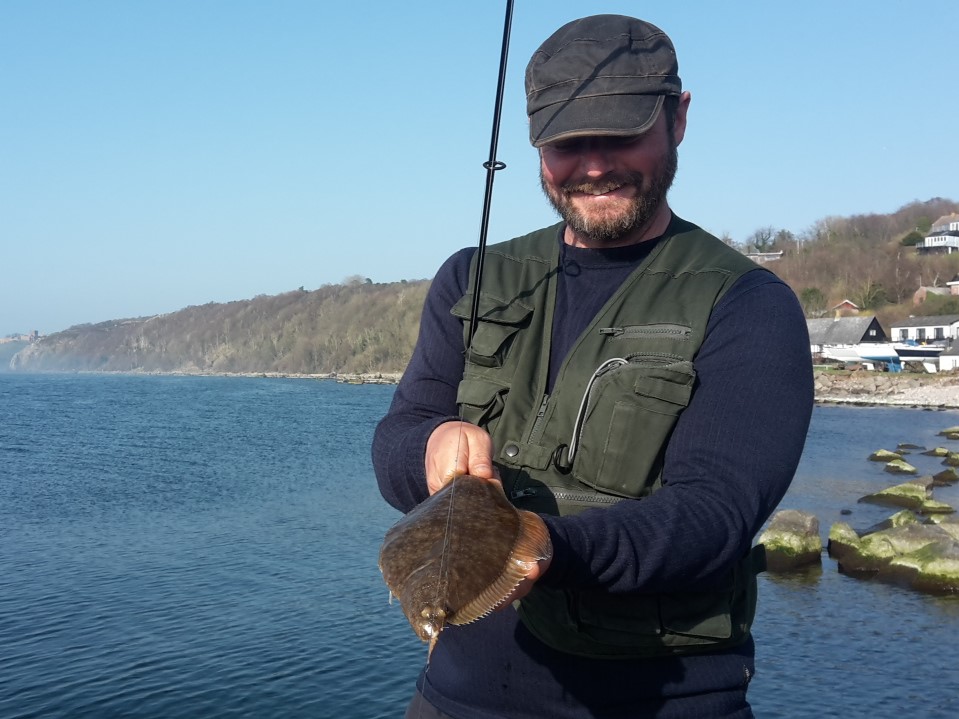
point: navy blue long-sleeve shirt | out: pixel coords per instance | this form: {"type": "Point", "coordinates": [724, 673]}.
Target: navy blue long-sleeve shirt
{"type": "Point", "coordinates": [729, 461]}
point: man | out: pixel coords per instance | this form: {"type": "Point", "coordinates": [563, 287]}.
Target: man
{"type": "Point", "coordinates": [642, 387]}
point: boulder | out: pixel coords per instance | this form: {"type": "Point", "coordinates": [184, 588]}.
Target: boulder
{"type": "Point", "coordinates": [884, 455]}
{"type": "Point", "coordinates": [936, 452]}
{"type": "Point", "coordinates": [906, 446]}
{"type": "Point", "coordinates": [899, 519]}
{"type": "Point", "coordinates": [949, 430]}
{"type": "Point", "coordinates": [923, 556]}
{"type": "Point", "coordinates": [900, 466]}
{"type": "Point", "coordinates": [792, 541]}
{"type": "Point", "coordinates": [915, 495]}
{"type": "Point", "coordinates": [933, 568]}
{"type": "Point", "coordinates": [947, 523]}
{"type": "Point", "coordinates": [951, 460]}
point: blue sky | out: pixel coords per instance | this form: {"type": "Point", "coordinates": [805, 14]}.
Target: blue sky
{"type": "Point", "coordinates": [159, 154]}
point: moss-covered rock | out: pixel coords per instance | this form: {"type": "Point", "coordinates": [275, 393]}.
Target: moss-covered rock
{"type": "Point", "coordinates": [936, 452]}
{"type": "Point", "coordinates": [909, 495]}
{"type": "Point", "coordinates": [951, 460]}
{"type": "Point", "coordinates": [924, 556]}
{"type": "Point", "coordinates": [931, 568]}
{"type": "Point", "coordinates": [792, 540]}
{"type": "Point", "coordinates": [899, 519]}
{"type": "Point", "coordinates": [884, 455]}
{"type": "Point", "coordinates": [900, 466]}
{"type": "Point", "coordinates": [949, 430]}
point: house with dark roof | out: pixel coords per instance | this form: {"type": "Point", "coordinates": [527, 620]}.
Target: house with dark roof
{"type": "Point", "coordinates": [843, 332]}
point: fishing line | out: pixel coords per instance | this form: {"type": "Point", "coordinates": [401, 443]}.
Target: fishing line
{"type": "Point", "coordinates": [492, 165]}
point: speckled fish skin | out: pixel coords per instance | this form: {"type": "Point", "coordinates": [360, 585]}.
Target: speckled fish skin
{"type": "Point", "coordinates": [490, 547]}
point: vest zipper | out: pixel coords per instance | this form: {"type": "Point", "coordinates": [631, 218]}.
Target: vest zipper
{"type": "Point", "coordinates": [568, 496]}
{"type": "Point", "coordinates": [537, 428]}
{"type": "Point", "coordinates": [640, 331]}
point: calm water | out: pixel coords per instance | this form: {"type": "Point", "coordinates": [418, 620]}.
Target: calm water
{"type": "Point", "coordinates": [183, 547]}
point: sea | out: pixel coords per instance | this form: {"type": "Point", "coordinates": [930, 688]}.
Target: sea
{"type": "Point", "coordinates": [176, 546]}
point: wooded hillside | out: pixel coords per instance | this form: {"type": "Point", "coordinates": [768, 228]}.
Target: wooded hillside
{"type": "Point", "coordinates": [362, 327]}
{"type": "Point", "coordinates": [353, 328]}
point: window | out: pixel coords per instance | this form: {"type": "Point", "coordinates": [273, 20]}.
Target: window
{"type": "Point", "coordinates": [940, 333]}
{"type": "Point", "coordinates": [903, 335]}
{"type": "Point", "coordinates": [921, 334]}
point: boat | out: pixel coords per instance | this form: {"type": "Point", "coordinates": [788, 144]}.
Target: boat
{"type": "Point", "coordinates": [862, 352]}
{"type": "Point", "coordinates": [912, 350]}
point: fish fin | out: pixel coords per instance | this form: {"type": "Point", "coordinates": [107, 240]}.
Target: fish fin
{"type": "Point", "coordinates": [532, 545]}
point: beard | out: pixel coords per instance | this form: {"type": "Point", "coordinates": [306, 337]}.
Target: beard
{"type": "Point", "coordinates": [612, 225]}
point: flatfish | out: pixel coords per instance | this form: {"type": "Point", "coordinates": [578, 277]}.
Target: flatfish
{"type": "Point", "coordinates": [459, 554]}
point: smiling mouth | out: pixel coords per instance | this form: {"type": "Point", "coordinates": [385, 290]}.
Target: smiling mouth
{"type": "Point", "coordinates": [596, 189]}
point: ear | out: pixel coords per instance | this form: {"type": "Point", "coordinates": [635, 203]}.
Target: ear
{"type": "Point", "coordinates": [679, 124]}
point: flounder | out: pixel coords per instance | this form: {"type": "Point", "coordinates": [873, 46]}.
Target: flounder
{"type": "Point", "coordinates": [460, 554]}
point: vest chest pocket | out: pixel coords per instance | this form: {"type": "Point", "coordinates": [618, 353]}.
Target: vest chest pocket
{"type": "Point", "coordinates": [481, 402]}
{"type": "Point", "coordinates": [497, 324]}
{"type": "Point", "coordinates": [628, 415]}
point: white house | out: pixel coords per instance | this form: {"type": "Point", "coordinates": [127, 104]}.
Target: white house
{"type": "Point", "coordinates": [943, 237]}
{"type": "Point", "coordinates": [938, 328]}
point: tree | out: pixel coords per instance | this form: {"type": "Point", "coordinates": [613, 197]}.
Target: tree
{"type": "Point", "coordinates": [869, 295]}
{"type": "Point", "coordinates": [813, 302]}
{"type": "Point", "coordinates": [762, 239]}
{"type": "Point", "coordinates": [912, 239]}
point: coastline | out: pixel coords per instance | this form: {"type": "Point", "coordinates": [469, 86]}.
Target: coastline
{"type": "Point", "coordinates": [851, 387]}
{"type": "Point", "coordinates": [887, 389]}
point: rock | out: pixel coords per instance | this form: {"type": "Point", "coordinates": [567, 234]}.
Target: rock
{"type": "Point", "coordinates": [900, 466]}
{"type": "Point", "coordinates": [936, 452]}
{"type": "Point", "coordinates": [949, 524]}
{"type": "Point", "coordinates": [923, 556]}
{"type": "Point", "coordinates": [884, 455]}
{"type": "Point", "coordinates": [948, 431]}
{"type": "Point", "coordinates": [933, 568]}
{"type": "Point", "coordinates": [845, 546]}
{"type": "Point", "coordinates": [899, 519]}
{"type": "Point", "coordinates": [907, 446]}
{"type": "Point", "coordinates": [792, 540]}
{"type": "Point", "coordinates": [915, 495]}
{"type": "Point", "coordinates": [946, 476]}
{"type": "Point", "coordinates": [951, 460]}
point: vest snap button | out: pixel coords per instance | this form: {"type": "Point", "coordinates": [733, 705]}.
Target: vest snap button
{"type": "Point", "coordinates": [511, 450]}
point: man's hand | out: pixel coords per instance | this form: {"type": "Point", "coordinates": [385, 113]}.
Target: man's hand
{"type": "Point", "coordinates": [457, 448]}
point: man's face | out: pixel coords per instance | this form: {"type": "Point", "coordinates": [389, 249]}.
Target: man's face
{"type": "Point", "coordinates": [610, 189]}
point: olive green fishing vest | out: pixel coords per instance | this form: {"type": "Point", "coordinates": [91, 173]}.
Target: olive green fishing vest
{"type": "Point", "coordinates": [600, 437]}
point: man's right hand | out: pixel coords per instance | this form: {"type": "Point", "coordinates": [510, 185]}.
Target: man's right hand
{"type": "Point", "coordinates": [457, 448]}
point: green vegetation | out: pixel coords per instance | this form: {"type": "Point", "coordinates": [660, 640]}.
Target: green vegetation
{"type": "Point", "coordinates": [363, 327]}
{"type": "Point", "coordinates": [358, 327]}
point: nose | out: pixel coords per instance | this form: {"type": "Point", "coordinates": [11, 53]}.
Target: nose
{"type": "Point", "coordinates": [595, 157]}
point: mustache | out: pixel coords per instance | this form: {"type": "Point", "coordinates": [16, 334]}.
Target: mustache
{"type": "Point", "coordinates": [607, 184]}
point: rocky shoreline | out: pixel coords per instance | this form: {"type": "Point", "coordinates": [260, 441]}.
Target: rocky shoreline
{"type": "Point", "coordinates": [896, 389]}
{"type": "Point", "coordinates": [856, 387]}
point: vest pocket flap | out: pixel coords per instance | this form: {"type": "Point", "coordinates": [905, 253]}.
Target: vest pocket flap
{"type": "Point", "coordinates": [699, 614]}
{"type": "Point", "coordinates": [497, 324]}
{"type": "Point", "coordinates": [492, 310]}
{"type": "Point", "coordinates": [477, 392]}
{"type": "Point", "coordinates": [671, 383]}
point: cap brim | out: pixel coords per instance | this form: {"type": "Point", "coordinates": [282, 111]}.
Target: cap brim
{"type": "Point", "coordinates": [604, 115]}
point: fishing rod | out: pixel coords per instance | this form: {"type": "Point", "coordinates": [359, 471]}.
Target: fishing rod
{"type": "Point", "coordinates": [491, 165]}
